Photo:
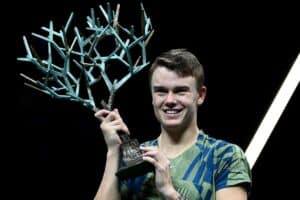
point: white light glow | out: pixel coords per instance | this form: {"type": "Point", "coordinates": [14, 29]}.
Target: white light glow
{"type": "Point", "coordinates": [273, 114]}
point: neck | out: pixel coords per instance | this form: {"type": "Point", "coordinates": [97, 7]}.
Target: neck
{"type": "Point", "coordinates": [173, 143]}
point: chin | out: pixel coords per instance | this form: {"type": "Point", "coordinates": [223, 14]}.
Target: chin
{"type": "Point", "coordinates": [171, 124]}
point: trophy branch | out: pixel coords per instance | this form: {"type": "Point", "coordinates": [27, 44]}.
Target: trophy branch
{"type": "Point", "coordinates": [71, 70]}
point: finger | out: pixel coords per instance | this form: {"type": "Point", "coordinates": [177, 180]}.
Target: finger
{"type": "Point", "coordinates": [119, 126]}
{"type": "Point", "coordinates": [148, 148]}
{"type": "Point", "coordinates": [152, 153]}
{"type": "Point", "coordinates": [158, 164]}
{"type": "Point", "coordinates": [111, 116]}
{"type": "Point", "coordinates": [150, 160]}
{"type": "Point", "coordinates": [101, 114]}
{"type": "Point", "coordinates": [118, 117]}
{"type": "Point", "coordinates": [117, 114]}
{"type": "Point", "coordinates": [116, 123]}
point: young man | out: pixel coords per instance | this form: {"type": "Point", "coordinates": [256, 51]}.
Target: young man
{"type": "Point", "coordinates": [188, 163]}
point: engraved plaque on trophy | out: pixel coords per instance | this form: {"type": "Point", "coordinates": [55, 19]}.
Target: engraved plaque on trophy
{"type": "Point", "coordinates": [132, 164]}
{"type": "Point", "coordinates": [76, 62]}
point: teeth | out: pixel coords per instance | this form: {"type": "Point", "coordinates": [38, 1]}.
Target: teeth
{"type": "Point", "coordinates": [171, 111]}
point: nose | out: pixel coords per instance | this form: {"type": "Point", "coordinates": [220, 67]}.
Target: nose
{"type": "Point", "coordinates": [170, 99]}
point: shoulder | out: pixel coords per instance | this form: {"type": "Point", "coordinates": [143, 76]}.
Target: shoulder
{"type": "Point", "coordinates": [231, 165]}
{"type": "Point", "coordinates": [223, 148]}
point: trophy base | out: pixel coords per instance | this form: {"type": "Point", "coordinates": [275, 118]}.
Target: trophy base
{"type": "Point", "coordinates": [135, 170]}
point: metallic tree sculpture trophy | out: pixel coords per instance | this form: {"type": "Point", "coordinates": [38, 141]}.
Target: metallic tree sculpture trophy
{"type": "Point", "coordinates": [71, 70]}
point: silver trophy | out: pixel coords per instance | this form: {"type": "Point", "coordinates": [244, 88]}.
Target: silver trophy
{"type": "Point", "coordinates": [73, 67]}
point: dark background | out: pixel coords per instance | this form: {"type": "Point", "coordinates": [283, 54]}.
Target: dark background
{"type": "Point", "coordinates": [246, 49]}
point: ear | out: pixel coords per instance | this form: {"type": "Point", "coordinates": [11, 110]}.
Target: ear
{"type": "Point", "coordinates": [202, 95]}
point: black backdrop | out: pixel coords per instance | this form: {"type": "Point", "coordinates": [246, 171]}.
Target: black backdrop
{"type": "Point", "coordinates": [246, 49]}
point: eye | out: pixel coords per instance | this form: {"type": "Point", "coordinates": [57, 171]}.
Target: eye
{"type": "Point", "coordinates": [160, 91]}
{"type": "Point", "coordinates": [181, 90]}
{"type": "Point", "coordinates": [181, 93]}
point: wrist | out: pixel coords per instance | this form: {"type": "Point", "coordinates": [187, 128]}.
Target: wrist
{"type": "Point", "coordinates": [115, 151]}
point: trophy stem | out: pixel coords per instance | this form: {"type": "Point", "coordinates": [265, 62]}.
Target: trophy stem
{"type": "Point", "coordinates": [123, 136]}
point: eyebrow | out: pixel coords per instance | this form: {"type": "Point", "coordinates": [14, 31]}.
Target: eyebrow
{"type": "Point", "coordinates": [158, 88]}
{"type": "Point", "coordinates": [181, 89]}
{"type": "Point", "coordinates": [176, 88]}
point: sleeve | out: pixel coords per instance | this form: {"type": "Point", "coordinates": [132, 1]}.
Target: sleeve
{"type": "Point", "coordinates": [233, 168]}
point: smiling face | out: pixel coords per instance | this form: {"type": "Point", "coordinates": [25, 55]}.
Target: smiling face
{"type": "Point", "coordinates": [175, 99]}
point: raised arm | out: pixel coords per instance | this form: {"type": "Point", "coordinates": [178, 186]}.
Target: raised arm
{"type": "Point", "coordinates": [111, 122]}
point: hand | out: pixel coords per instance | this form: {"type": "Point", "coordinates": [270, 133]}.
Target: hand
{"type": "Point", "coordinates": [161, 163]}
{"type": "Point", "coordinates": [111, 122]}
